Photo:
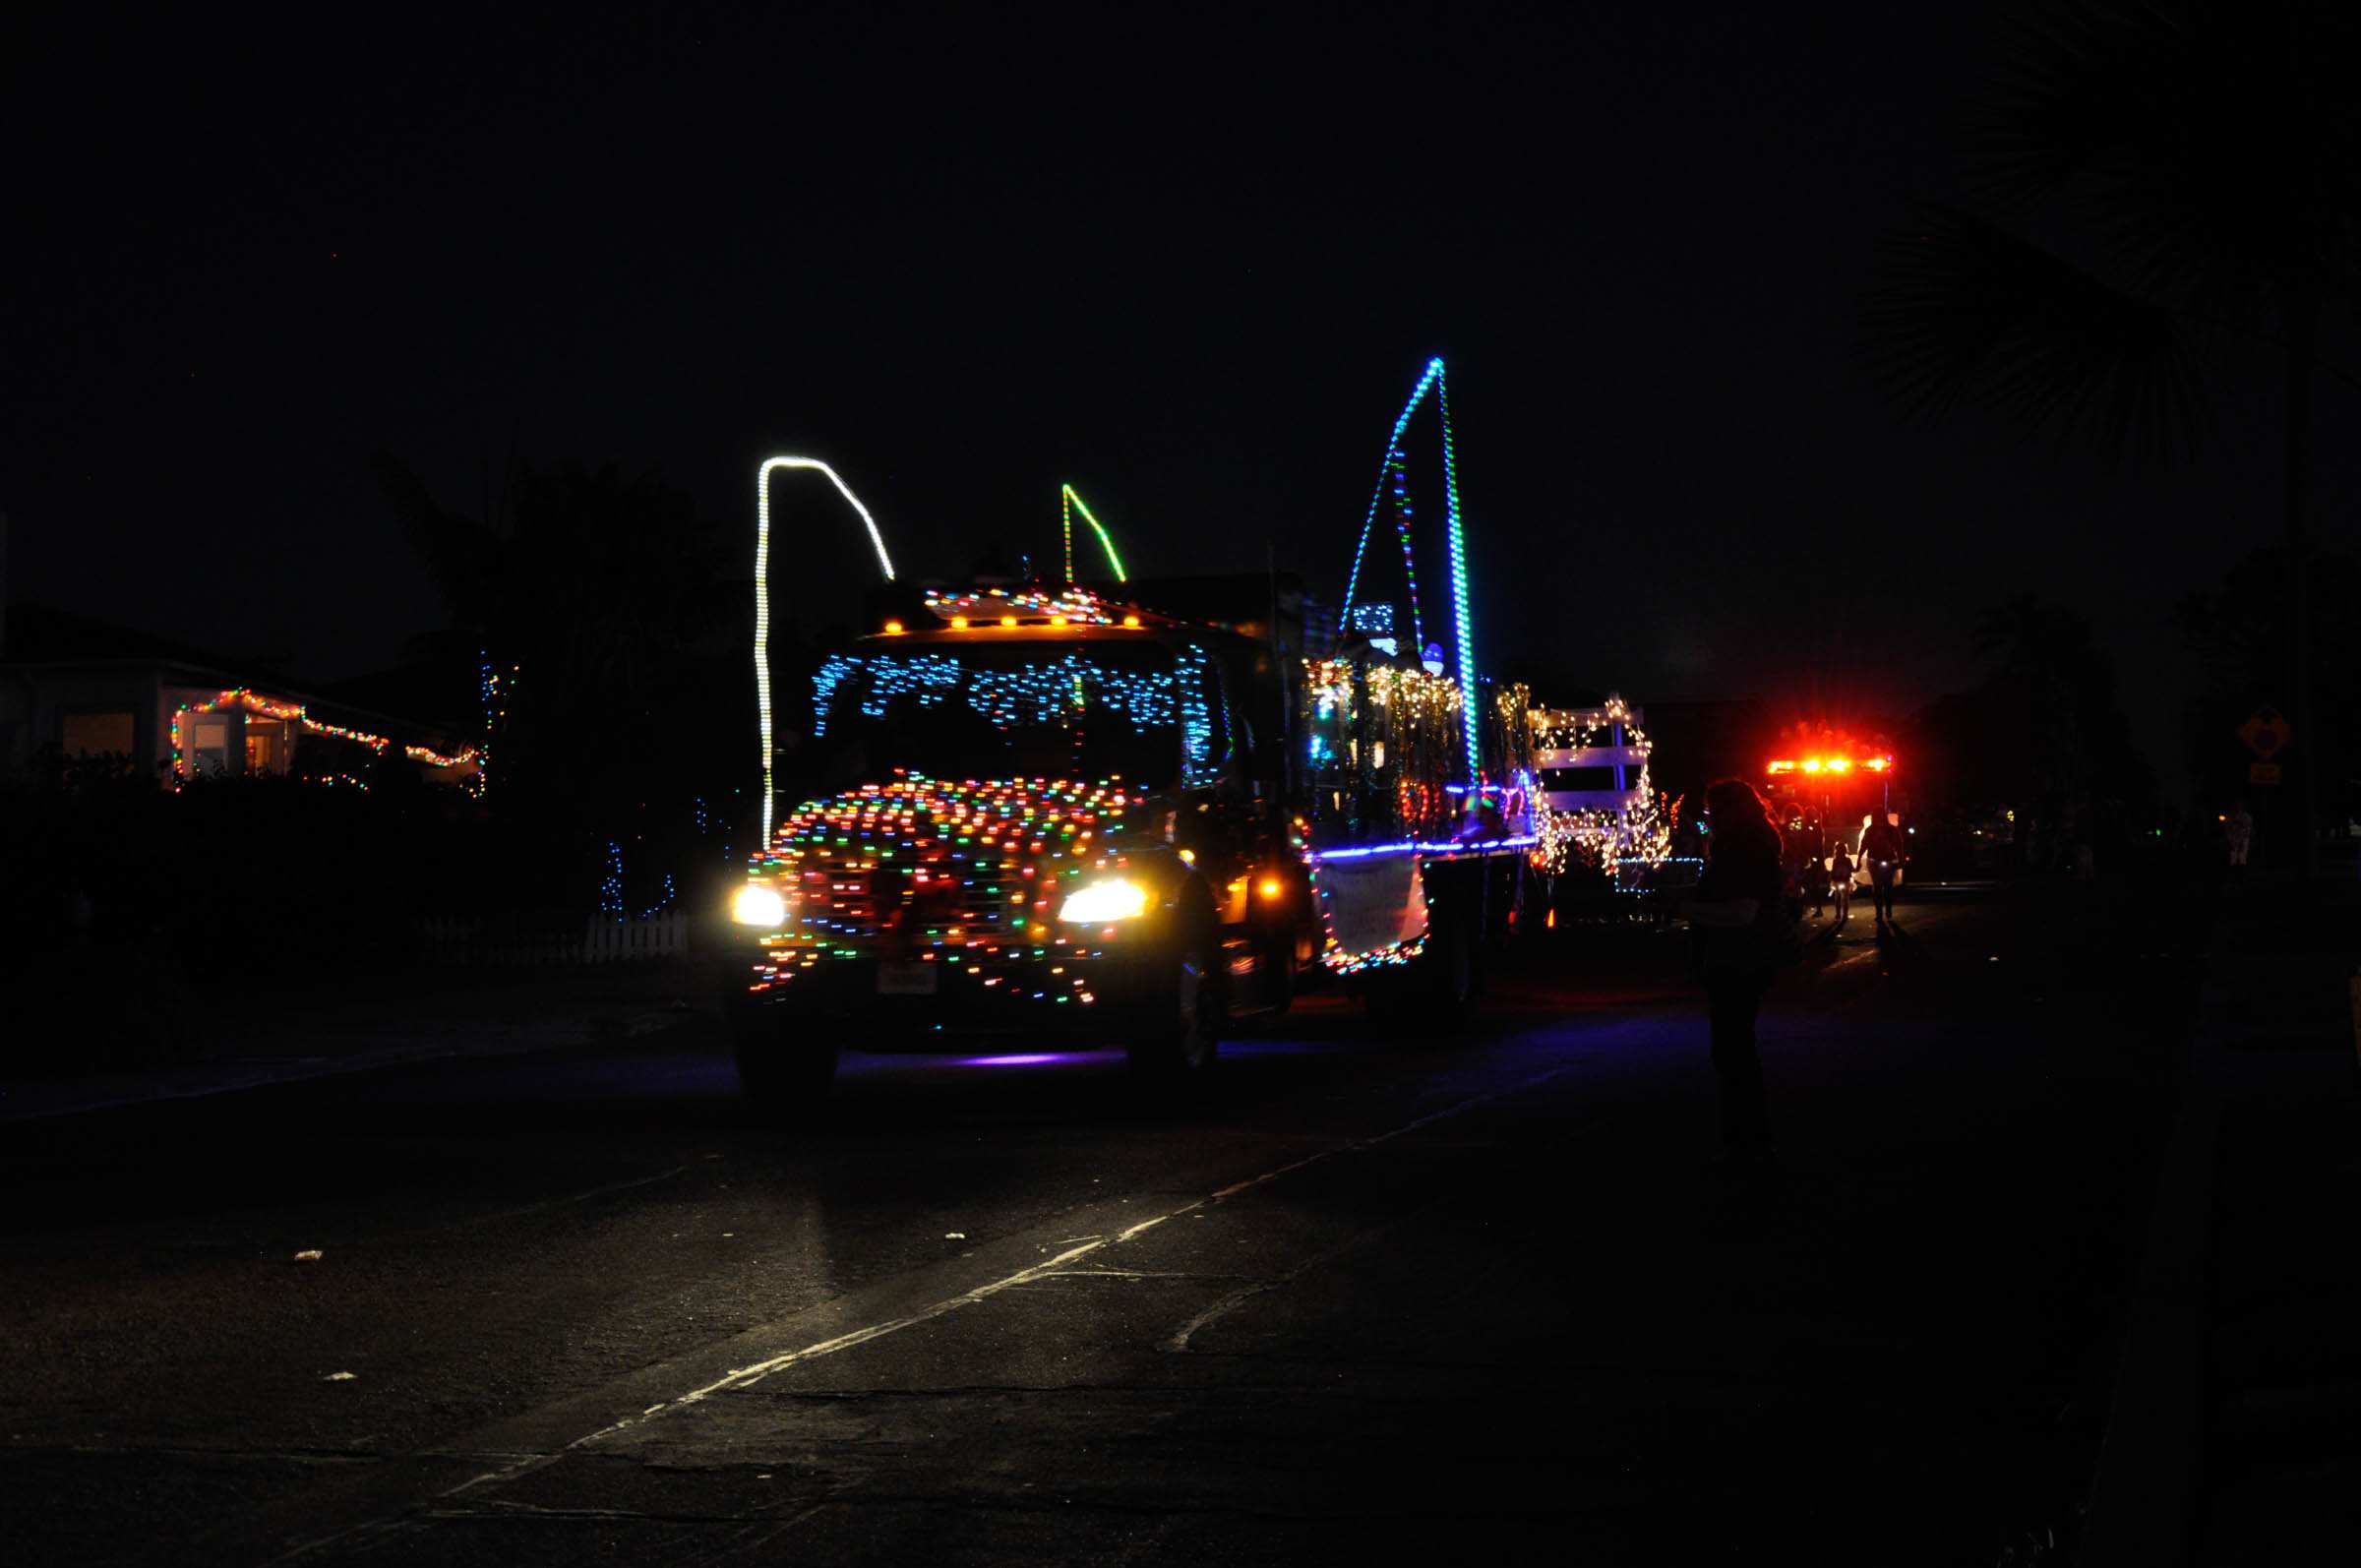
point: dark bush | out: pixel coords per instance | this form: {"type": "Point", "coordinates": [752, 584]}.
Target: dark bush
{"type": "Point", "coordinates": [127, 902]}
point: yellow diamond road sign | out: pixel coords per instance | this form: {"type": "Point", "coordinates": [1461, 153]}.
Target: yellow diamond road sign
{"type": "Point", "coordinates": [2266, 733]}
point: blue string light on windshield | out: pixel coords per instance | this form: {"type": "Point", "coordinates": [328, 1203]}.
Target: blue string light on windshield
{"type": "Point", "coordinates": [1047, 693]}
{"type": "Point", "coordinates": [1052, 691]}
{"type": "Point", "coordinates": [1200, 767]}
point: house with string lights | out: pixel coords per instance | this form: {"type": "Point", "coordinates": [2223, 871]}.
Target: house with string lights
{"type": "Point", "coordinates": [80, 688]}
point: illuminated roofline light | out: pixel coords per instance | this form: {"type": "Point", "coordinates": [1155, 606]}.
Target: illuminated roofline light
{"type": "Point", "coordinates": [1069, 503]}
{"type": "Point", "coordinates": [246, 701]}
{"type": "Point", "coordinates": [762, 592]}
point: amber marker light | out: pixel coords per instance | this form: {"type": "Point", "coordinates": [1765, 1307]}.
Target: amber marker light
{"type": "Point", "coordinates": [893, 628]}
{"type": "Point", "coordinates": [1132, 620]}
{"type": "Point", "coordinates": [959, 623]}
{"type": "Point", "coordinates": [1272, 887]}
{"type": "Point", "coordinates": [1007, 620]}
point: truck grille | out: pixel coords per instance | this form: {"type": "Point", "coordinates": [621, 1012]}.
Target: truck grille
{"type": "Point", "coordinates": [849, 896]}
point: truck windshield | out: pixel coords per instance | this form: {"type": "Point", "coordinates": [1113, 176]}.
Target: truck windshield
{"type": "Point", "coordinates": [1143, 712]}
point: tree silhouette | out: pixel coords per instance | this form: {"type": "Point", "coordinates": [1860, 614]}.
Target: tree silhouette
{"type": "Point", "coordinates": [2155, 191]}
{"type": "Point", "coordinates": [605, 602]}
{"type": "Point", "coordinates": [2232, 631]}
{"type": "Point", "coordinates": [2042, 733]}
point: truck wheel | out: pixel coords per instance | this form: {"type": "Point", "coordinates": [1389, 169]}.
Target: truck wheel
{"type": "Point", "coordinates": [1453, 972]}
{"type": "Point", "coordinates": [1279, 986]}
{"type": "Point", "coordinates": [1180, 1029]}
{"type": "Point", "coordinates": [783, 1073]}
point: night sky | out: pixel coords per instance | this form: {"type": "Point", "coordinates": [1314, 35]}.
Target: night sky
{"type": "Point", "coordinates": [1191, 261]}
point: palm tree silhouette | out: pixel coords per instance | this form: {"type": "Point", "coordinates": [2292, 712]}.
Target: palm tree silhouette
{"type": "Point", "coordinates": [2204, 163]}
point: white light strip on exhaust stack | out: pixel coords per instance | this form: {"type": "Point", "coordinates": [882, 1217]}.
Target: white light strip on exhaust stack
{"type": "Point", "coordinates": [762, 594]}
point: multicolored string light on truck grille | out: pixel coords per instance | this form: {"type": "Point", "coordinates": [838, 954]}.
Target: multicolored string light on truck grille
{"type": "Point", "coordinates": [965, 874]}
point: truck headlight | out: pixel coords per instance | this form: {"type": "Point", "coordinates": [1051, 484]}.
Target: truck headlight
{"type": "Point", "coordinates": [1101, 903]}
{"type": "Point", "coordinates": [758, 904]}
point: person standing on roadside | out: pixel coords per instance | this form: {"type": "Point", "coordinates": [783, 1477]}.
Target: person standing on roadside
{"type": "Point", "coordinates": [1881, 847]}
{"type": "Point", "coordinates": [1735, 912]}
{"type": "Point", "coordinates": [2239, 829]}
{"type": "Point", "coordinates": [1840, 871]}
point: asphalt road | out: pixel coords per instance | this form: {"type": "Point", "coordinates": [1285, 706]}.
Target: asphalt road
{"type": "Point", "coordinates": [1375, 1294]}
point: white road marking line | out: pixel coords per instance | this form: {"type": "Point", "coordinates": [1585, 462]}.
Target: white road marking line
{"type": "Point", "coordinates": [1143, 1273]}
{"type": "Point", "coordinates": [1236, 1298]}
{"type": "Point", "coordinates": [747, 1376]}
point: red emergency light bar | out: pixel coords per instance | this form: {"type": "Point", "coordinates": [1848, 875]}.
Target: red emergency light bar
{"type": "Point", "coordinates": [1831, 764]}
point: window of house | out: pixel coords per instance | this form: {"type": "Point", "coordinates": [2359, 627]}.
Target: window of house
{"type": "Point", "coordinates": [96, 734]}
{"type": "Point", "coordinates": [266, 747]}
{"type": "Point", "coordinates": [204, 745]}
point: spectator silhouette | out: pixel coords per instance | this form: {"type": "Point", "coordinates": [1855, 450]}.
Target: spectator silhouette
{"type": "Point", "coordinates": [1734, 912]}
{"type": "Point", "coordinates": [1882, 848]}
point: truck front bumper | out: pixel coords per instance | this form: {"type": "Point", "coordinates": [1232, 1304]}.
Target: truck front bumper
{"type": "Point", "coordinates": [869, 1004]}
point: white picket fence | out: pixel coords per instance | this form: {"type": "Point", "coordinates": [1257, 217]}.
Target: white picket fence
{"type": "Point", "coordinates": [614, 941]}
{"type": "Point", "coordinates": [456, 939]}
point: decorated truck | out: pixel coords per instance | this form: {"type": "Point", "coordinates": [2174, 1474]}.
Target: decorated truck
{"type": "Point", "coordinates": [1052, 811]}
{"type": "Point", "coordinates": [1126, 813]}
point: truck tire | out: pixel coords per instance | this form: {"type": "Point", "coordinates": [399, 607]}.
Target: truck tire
{"type": "Point", "coordinates": [1279, 982]}
{"type": "Point", "coordinates": [1453, 962]}
{"type": "Point", "coordinates": [1179, 1032]}
{"type": "Point", "coordinates": [783, 1072]}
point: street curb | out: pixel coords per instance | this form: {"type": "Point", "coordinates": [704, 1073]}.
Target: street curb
{"type": "Point", "coordinates": [2145, 1492]}
{"type": "Point", "coordinates": [2148, 1487]}
{"type": "Point", "coordinates": [257, 1075]}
